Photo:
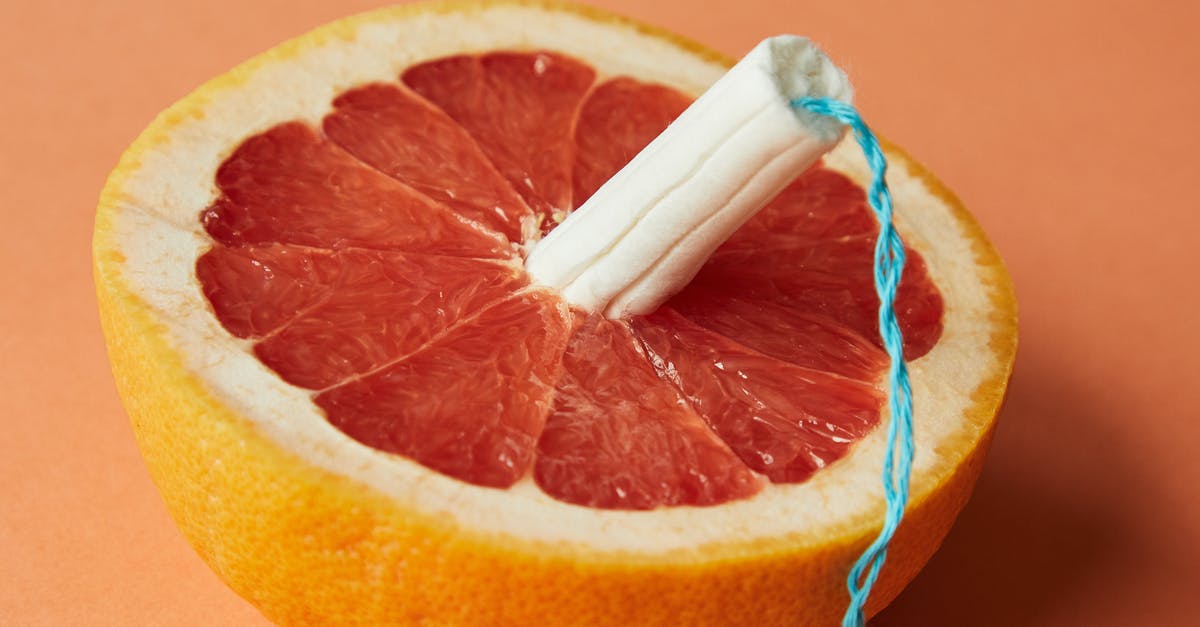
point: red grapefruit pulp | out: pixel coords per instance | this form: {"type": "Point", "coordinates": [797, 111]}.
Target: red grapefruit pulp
{"type": "Point", "coordinates": [376, 261]}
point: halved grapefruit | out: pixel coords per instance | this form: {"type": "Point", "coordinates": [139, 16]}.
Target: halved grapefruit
{"type": "Point", "coordinates": [360, 410]}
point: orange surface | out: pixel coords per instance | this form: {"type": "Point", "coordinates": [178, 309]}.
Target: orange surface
{"type": "Point", "coordinates": [1067, 127]}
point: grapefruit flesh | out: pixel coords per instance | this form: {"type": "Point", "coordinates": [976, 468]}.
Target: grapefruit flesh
{"type": "Point", "coordinates": [618, 118]}
{"type": "Point", "coordinates": [291, 186]}
{"type": "Point", "coordinates": [618, 437]}
{"type": "Point", "coordinates": [404, 136]}
{"type": "Point", "coordinates": [376, 262]}
{"type": "Point", "coordinates": [521, 109]}
{"type": "Point", "coordinates": [472, 402]}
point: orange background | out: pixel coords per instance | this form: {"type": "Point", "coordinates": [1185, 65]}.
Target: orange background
{"type": "Point", "coordinates": [1069, 127]}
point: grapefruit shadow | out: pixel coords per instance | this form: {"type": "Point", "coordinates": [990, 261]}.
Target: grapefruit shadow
{"type": "Point", "coordinates": [1024, 544]}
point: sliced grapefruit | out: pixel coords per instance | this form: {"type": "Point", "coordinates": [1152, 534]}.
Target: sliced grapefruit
{"type": "Point", "coordinates": [359, 408]}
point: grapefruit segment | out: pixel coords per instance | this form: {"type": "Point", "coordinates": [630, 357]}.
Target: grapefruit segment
{"type": "Point", "coordinates": [810, 249]}
{"type": "Point", "coordinates": [620, 437]}
{"type": "Point", "coordinates": [470, 404]}
{"type": "Point", "coordinates": [521, 109]}
{"type": "Point", "coordinates": [618, 119]}
{"type": "Point", "coordinates": [381, 305]}
{"type": "Point", "coordinates": [802, 214]}
{"type": "Point", "coordinates": [402, 135]}
{"type": "Point", "coordinates": [832, 279]}
{"type": "Point", "coordinates": [257, 289]}
{"type": "Point", "coordinates": [792, 335]}
{"type": "Point", "coordinates": [289, 185]}
{"type": "Point", "coordinates": [782, 420]}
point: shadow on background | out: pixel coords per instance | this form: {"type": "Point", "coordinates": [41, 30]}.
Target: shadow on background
{"type": "Point", "coordinates": [1027, 543]}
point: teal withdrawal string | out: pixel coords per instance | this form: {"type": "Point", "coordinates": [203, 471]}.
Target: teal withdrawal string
{"type": "Point", "coordinates": [889, 264]}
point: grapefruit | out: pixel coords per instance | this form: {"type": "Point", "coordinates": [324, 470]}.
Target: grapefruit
{"type": "Point", "coordinates": [359, 408]}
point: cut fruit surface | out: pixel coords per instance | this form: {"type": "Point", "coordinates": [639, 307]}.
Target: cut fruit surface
{"type": "Point", "coordinates": [783, 420]}
{"type": "Point", "coordinates": [618, 437]}
{"type": "Point", "coordinates": [321, 316]}
{"type": "Point", "coordinates": [398, 133]}
{"type": "Point", "coordinates": [771, 358]}
{"type": "Point", "coordinates": [291, 186]}
{"type": "Point", "coordinates": [360, 410]}
{"type": "Point", "coordinates": [520, 108]}
{"type": "Point", "coordinates": [616, 121]}
{"type": "Point", "coordinates": [472, 402]}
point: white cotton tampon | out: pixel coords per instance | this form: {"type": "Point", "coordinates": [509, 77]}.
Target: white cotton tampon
{"type": "Point", "coordinates": [645, 233]}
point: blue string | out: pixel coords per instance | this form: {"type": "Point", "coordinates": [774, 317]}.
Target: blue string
{"type": "Point", "coordinates": [889, 264]}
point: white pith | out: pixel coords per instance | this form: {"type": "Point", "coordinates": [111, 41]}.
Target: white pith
{"type": "Point", "coordinates": [644, 234]}
{"type": "Point", "coordinates": [156, 228]}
